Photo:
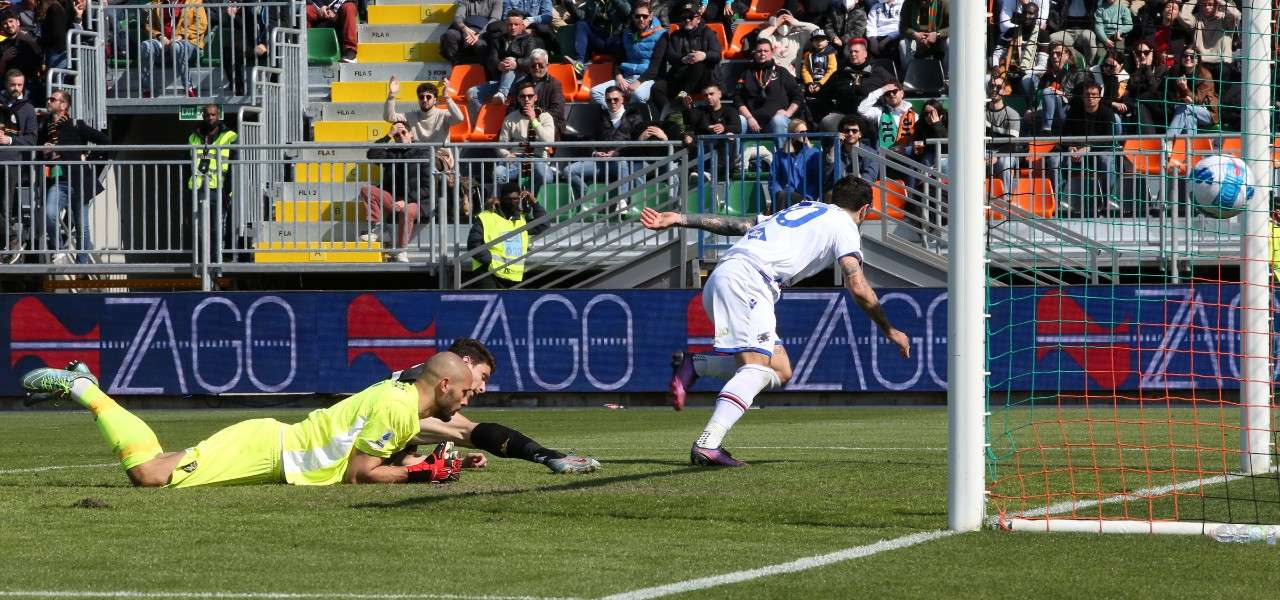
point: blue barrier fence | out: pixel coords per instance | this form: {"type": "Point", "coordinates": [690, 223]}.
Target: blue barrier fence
{"type": "Point", "coordinates": [619, 341]}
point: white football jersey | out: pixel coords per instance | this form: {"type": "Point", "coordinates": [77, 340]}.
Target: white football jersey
{"type": "Point", "coordinates": [799, 241]}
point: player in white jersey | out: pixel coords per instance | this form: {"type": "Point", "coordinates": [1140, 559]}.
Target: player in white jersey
{"type": "Point", "coordinates": [741, 292]}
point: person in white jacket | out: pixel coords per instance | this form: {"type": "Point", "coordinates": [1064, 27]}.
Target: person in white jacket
{"type": "Point", "coordinates": [789, 37]}
{"type": "Point", "coordinates": [883, 20]}
{"type": "Point", "coordinates": [1020, 24]}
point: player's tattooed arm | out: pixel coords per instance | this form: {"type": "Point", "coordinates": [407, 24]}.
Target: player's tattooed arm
{"type": "Point", "coordinates": [658, 221]}
{"type": "Point", "coordinates": [856, 282]}
{"type": "Point", "coordinates": [719, 224]}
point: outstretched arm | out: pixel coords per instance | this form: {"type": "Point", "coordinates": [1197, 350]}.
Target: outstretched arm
{"type": "Point", "coordinates": [720, 224]}
{"type": "Point", "coordinates": [856, 282]}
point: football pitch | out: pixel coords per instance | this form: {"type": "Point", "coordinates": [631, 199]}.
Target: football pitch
{"type": "Point", "coordinates": [837, 503]}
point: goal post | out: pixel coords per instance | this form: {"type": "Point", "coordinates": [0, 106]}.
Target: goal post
{"type": "Point", "coordinates": [1112, 371]}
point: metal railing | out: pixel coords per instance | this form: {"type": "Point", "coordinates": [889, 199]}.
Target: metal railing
{"type": "Point", "coordinates": [215, 47]}
{"type": "Point", "coordinates": [98, 210]}
{"type": "Point", "coordinates": [84, 77]}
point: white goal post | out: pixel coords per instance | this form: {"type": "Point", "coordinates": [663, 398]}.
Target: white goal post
{"type": "Point", "coordinates": [967, 362]}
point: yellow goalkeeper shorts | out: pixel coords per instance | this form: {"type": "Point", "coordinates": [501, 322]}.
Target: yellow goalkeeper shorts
{"type": "Point", "coordinates": [247, 453]}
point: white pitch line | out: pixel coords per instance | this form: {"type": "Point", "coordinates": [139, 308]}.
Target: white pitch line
{"type": "Point", "coordinates": [1143, 494]}
{"type": "Point", "coordinates": [253, 595]}
{"type": "Point", "coordinates": [803, 564]}
{"type": "Point", "coordinates": [56, 468]}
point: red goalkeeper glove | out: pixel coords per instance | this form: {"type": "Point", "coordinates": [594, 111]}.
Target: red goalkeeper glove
{"type": "Point", "coordinates": [441, 466]}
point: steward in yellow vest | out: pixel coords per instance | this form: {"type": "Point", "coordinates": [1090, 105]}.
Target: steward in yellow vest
{"type": "Point", "coordinates": [513, 209]}
{"type": "Point", "coordinates": [212, 140]}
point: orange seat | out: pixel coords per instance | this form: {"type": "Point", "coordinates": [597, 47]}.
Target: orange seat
{"type": "Point", "coordinates": [995, 189]}
{"type": "Point", "coordinates": [896, 191]}
{"type": "Point", "coordinates": [740, 33]}
{"type": "Point", "coordinates": [464, 77]}
{"type": "Point", "coordinates": [567, 78]}
{"type": "Point", "coordinates": [1233, 146]}
{"type": "Point", "coordinates": [718, 28]}
{"type": "Point", "coordinates": [459, 131]}
{"type": "Point", "coordinates": [596, 74]}
{"type": "Point", "coordinates": [763, 9]}
{"type": "Point", "coordinates": [488, 123]}
{"type": "Point", "coordinates": [1182, 155]}
{"type": "Point", "coordinates": [1035, 195]}
{"type": "Point", "coordinates": [1147, 156]}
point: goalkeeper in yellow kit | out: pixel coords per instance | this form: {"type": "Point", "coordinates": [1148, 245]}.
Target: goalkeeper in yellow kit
{"type": "Point", "coordinates": [352, 441]}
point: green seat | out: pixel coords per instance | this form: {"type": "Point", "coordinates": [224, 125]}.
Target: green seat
{"type": "Point", "coordinates": [211, 55]}
{"type": "Point", "coordinates": [654, 194]}
{"type": "Point", "coordinates": [592, 203]}
{"type": "Point", "coordinates": [745, 198]}
{"type": "Point", "coordinates": [322, 46]}
{"type": "Point", "coordinates": [552, 196]}
{"type": "Point", "coordinates": [118, 60]}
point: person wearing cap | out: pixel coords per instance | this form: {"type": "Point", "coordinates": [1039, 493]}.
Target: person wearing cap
{"type": "Point", "coordinates": [685, 59]}
{"type": "Point", "coordinates": [789, 36]}
{"type": "Point", "coordinates": [817, 64]}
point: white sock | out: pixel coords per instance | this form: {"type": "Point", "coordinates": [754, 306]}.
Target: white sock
{"type": "Point", "coordinates": [734, 400]}
{"type": "Point", "coordinates": [720, 366]}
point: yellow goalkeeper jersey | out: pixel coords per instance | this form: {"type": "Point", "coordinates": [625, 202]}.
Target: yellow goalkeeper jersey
{"type": "Point", "coordinates": [378, 421]}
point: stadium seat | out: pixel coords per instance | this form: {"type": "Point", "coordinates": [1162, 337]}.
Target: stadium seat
{"type": "Point", "coordinates": [896, 193]}
{"type": "Point", "coordinates": [745, 198]}
{"type": "Point", "coordinates": [581, 123]}
{"type": "Point", "coordinates": [886, 64]}
{"type": "Point", "coordinates": [925, 77]}
{"type": "Point", "coordinates": [761, 10]}
{"type": "Point", "coordinates": [565, 75]}
{"type": "Point", "coordinates": [739, 34]}
{"type": "Point", "coordinates": [596, 74]}
{"type": "Point", "coordinates": [995, 189]}
{"type": "Point", "coordinates": [211, 55]}
{"type": "Point", "coordinates": [322, 46]}
{"type": "Point", "coordinates": [1234, 146]}
{"type": "Point", "coordinates": [718, 28]}
{"type": "Point", "coordinates": [488, 122]}
{"type": "Point", "coordinates": [464, 77]}
{"type": "Point", "coordinates": [459, 132]}
{"type": "Point", "coordinates": [1035, 195]}
{"type": "Point", "coordinates": [1147, 155]}
{"type": "Point", "coordinates": [552, 196]}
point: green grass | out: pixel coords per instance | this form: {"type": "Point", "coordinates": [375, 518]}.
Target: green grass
{"type": "Point", "coordinates": [820, 480]}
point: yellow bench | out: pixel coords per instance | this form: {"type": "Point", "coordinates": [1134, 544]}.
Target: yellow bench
{"type": "Point", "coordinates": [376, 52]}
{"type": "Point", "coordinates": [301, 252]}
{"type": "Point", "coordinates": [336, 172]}
{"type": "Point", "coordinates": [316, 211]}
{"type": "Point", "coordinates": [350, 131]}
{"type": "Point", "coordinates": [408, 14]}
{"type": "Point", "coordinates": [374, 91]}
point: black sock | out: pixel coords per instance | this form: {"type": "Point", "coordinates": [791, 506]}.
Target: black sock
{"type": "Point", "coordinates": [506, 442]}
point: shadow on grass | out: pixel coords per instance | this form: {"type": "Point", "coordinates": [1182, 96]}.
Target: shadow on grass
{"type": "Point", "coordinates": [577, 484]}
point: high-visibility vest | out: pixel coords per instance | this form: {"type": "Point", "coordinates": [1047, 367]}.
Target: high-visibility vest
{"type": "Point", "coordinates": [496, 226]}
{"type": "Point", "coordinates": [211, 160]}
{"type": "Point", "coordinates": [1275, 251]}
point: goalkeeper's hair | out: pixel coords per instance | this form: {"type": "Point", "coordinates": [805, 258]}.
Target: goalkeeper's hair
{"type": "Point", "coordinates": [851, 193]}
{"type": "Point", "coordinates": [474, 351]}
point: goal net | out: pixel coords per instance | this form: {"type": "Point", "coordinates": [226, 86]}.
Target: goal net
{"type": "Point", "coordinates": [1130, 346]}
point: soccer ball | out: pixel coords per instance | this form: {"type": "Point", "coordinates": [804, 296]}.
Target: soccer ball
{"type": "Point", "coordinates": [1221, 186]}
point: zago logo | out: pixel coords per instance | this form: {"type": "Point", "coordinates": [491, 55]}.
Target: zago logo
{"type": "Point", "coordinates": [1104, 353]}
{"type": "Point", "coordinates": [36, 332]}
{"type": "Point", "coordinates": [698, 326]}
{"type": "Point", "coordinates": [372, 329]}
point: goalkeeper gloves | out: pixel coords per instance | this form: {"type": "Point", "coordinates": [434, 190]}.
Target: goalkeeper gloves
{"type": "Point", "coordinates": [441, 466]}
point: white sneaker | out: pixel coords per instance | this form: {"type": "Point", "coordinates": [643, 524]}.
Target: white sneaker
{"type": "Point", "coordinates": [400, 257]}
{"type": "Point", "coordinates": [370, 237]}
{"type": "Point", "coordinates": [499, 97]}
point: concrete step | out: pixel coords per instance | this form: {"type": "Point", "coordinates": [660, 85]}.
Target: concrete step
{"type": "Point", "coordinates": [332, 154]}
{"type": "Point", "coordinates": [404, 71]}
{"type": "Point", "coordinates": [292, 190]}
{"type": "Point", "coordinates": [312, 252]}
{"type": "Point", "coordinates": [373, 91]}
{"type": "Point", "coordinates": [333, 172]}
{"type": "Point", "coordinates": [409, 14]}
{"type": "Point", "coordinates": [350, 131]}
{"type": "Point", "coordinates": [359, 111]}
{"type": "Point", "coordinates": [419, 33]}
{"type": "Point", "coordinates": [321, 231]}
{"type": "Point", "coordinates": [400, 52]}
{"type": "Point", "coordinates": [293, 212]}
{"type": "Point", "coordinates": [323, 75]}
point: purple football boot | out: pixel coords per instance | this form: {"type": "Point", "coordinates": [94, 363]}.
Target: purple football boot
{"type": "Point", "coordinates": [683, 376]}
{"type": "Point", "coordinates": [713, 457]}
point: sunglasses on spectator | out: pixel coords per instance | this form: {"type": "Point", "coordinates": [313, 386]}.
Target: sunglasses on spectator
{"type": "Point", "coordinates": [1191, 56]}
{"type": "Point", "coordinates": [427, 97]}
{"type": "Point", "coordinates": [894, 91]}
{"type": "Point", "coordinates": [1142, 52]}
{"type": "Point", "coordinates": [640, 16]}
{"type": "Point", "coordinates": [850, 130]}
{"type": "Point", "coordinates": [528, 96]}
